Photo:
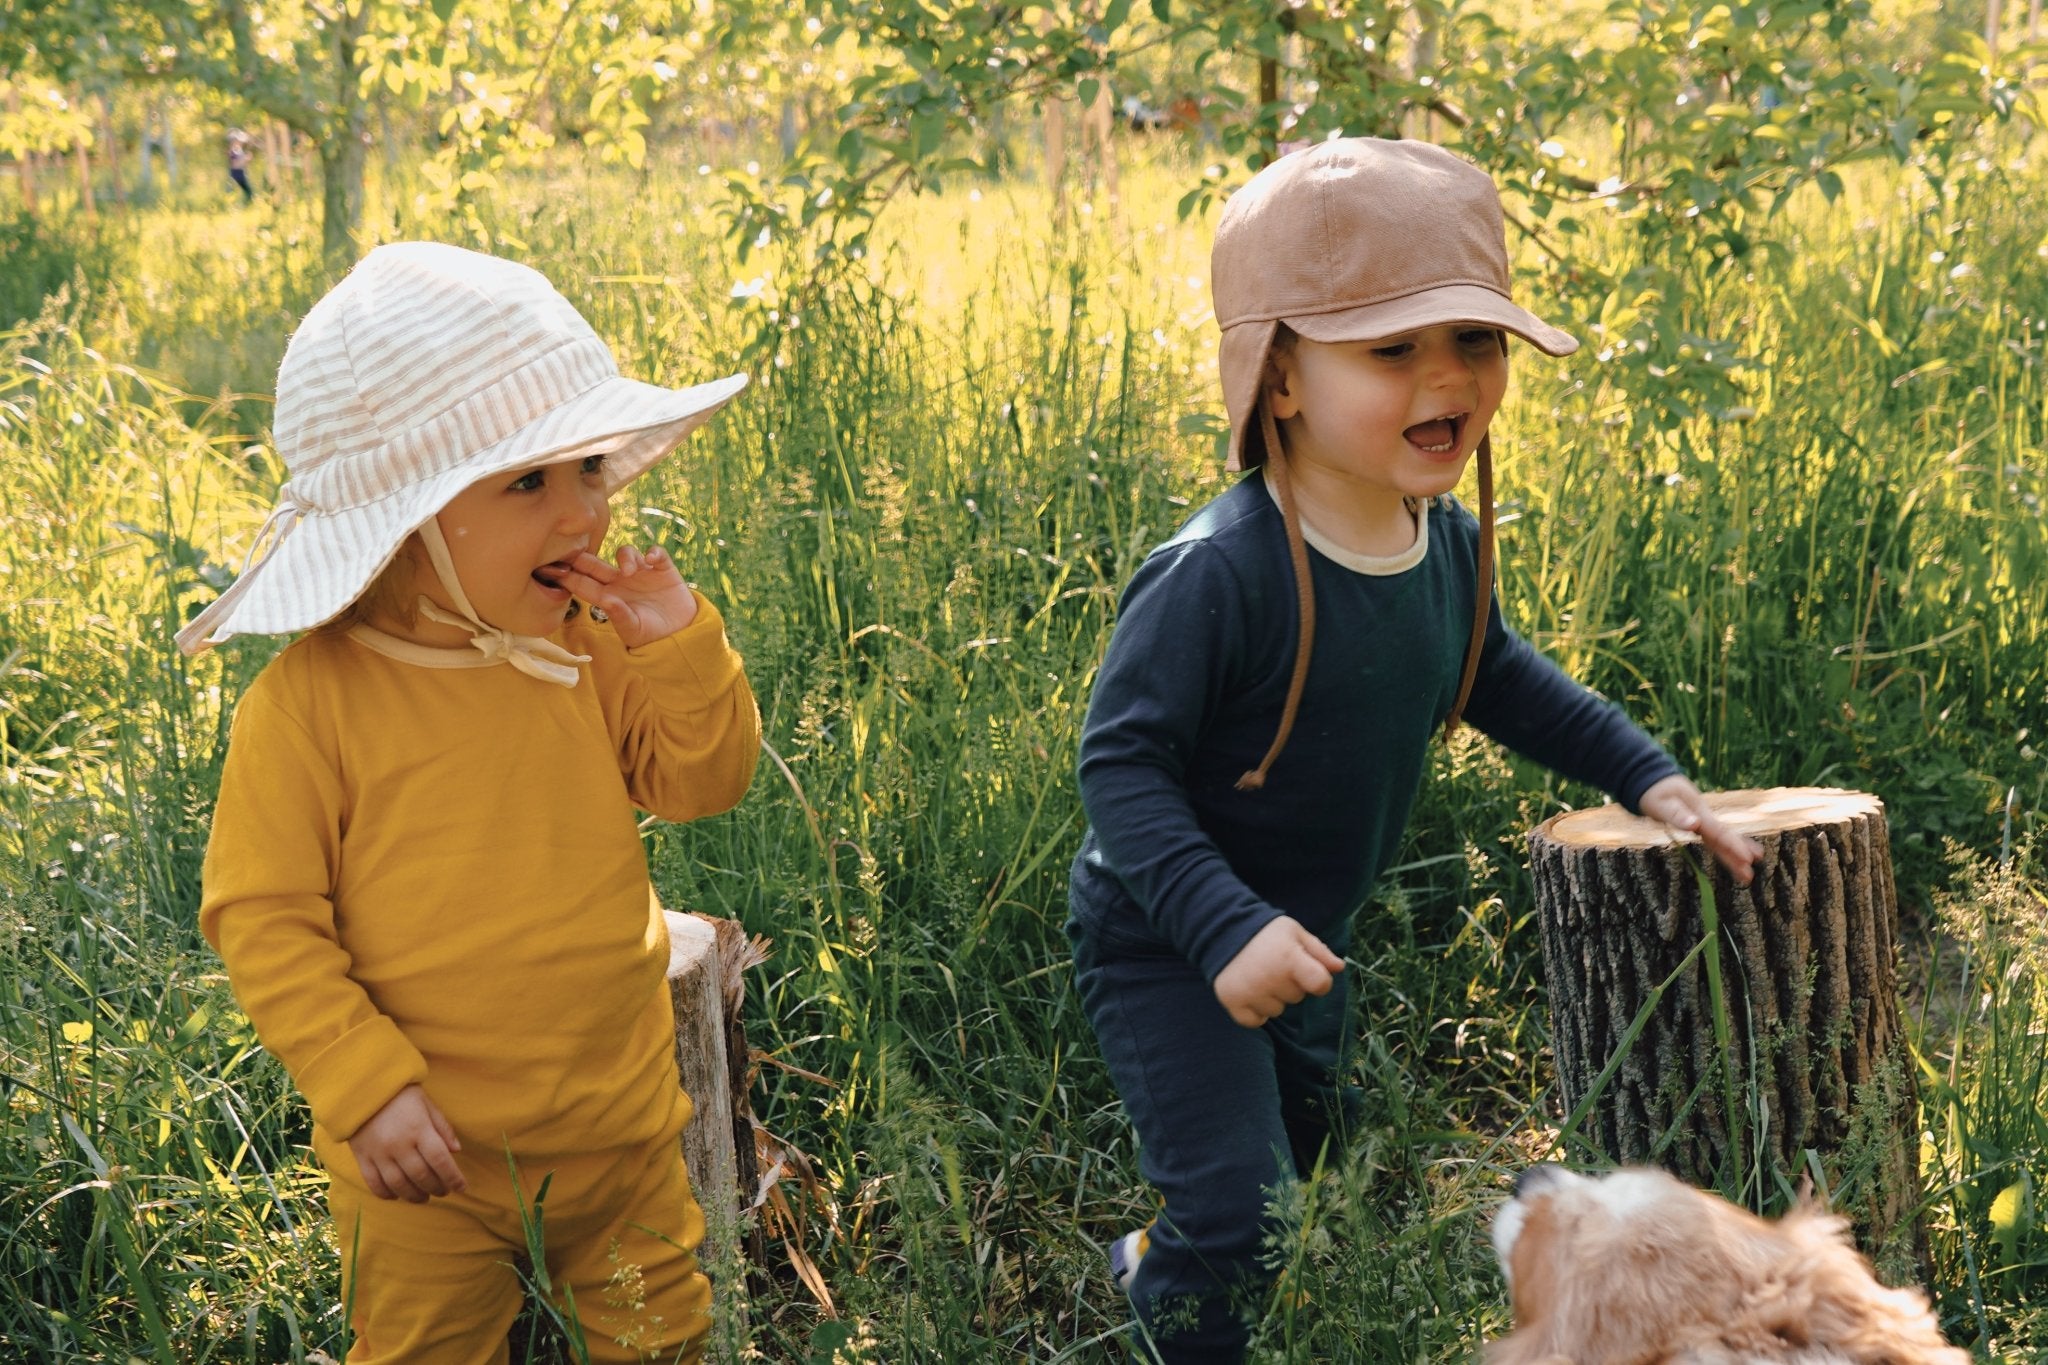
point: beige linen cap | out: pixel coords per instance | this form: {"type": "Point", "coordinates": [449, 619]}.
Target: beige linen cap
{"type": "Point", "coordinates": [426, 369]}
{"type": "Point", "coordinates": [1356, 239]}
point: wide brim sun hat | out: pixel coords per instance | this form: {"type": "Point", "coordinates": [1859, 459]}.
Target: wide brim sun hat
{"type": "Point", "coordinates": [1356, 239]}
{"type": "Point", "coordinates": [424, 371]}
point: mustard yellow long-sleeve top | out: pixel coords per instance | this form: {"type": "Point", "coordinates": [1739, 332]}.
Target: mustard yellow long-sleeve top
{"type": "Point", "coordinates": [434, 875]}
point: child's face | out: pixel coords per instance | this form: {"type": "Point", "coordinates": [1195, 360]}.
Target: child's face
{"type": "Point", "coordinates": [502, 529]}
{"type": "Point", "coordinates": [1392, 418]}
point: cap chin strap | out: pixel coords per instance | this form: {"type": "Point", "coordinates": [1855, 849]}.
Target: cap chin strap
{"type": "Point", "coordinates": [1277, 479]}
{"type": "Point", "coordinates": [1304, 593]}
{"type": "Point", "coordinates": [532, 655]}
{"type": "Point", "coordinates": [1482, 592]}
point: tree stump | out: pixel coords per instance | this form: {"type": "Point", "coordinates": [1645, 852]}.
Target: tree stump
{"type": "Point", "coordinates": [711, 1061]}
{"type": "Point", "coordinates": [1809, 1049]}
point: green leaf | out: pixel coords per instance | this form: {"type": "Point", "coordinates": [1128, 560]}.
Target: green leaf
{"type": "Point", "coordinates": [2012, 1217]}
{"type": "Point", "coordinates": [927, 132]}
{"type": "Point", "coordinates": [1113, 17]}
{"type": "Point", "coordinates": [190, 1029]}
{"type": "Point", "coordinates": [1162, 11]}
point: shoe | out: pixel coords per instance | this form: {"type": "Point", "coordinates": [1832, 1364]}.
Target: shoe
{"type": "Point", "coordinates": [1125, 1253]}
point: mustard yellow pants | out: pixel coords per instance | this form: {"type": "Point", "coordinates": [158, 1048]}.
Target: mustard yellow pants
{"type": "Point", "coordinates": [436, 1283]}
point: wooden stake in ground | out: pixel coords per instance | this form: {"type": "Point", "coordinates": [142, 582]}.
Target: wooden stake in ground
{"type": "Point", "coordinates": [1807, 1054]}
{"type": "Point", "coordinates": [707, 962]}
{"type": "Point", "coordinates": [696, 985]}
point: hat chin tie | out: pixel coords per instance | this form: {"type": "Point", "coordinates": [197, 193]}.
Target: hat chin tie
{"type": "Point", "coordinates": [533, 655]}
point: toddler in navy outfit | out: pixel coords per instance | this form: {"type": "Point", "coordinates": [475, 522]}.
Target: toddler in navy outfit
{"type": "Point", "coordinates": [1261, 721]}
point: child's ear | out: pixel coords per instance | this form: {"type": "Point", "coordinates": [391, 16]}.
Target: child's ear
{"type": "Point", "coordinates": [1282, 382]}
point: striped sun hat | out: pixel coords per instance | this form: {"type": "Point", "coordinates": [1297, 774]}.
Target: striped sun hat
{"type": "Point", "coordinates": [425, 370]}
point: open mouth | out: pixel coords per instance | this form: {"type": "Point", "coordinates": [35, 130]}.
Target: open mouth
{"type": "Point", "coordinates": [549, 574]}
{"type": "Point", "coordinates": [1439, 435]}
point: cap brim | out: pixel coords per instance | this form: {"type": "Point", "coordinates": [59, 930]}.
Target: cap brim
{"type": "Point", "coordinates": [1450, 303]}
{"type": "Point", "coordinates": [1241, 363]}
{"type": "Point", "coordinates": [324, 560]}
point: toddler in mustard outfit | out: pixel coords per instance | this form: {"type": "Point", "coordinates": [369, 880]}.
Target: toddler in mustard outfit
{"type": "Point", "coordinates": [425, 874]}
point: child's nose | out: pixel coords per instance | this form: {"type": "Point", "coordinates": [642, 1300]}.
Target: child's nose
{"type": "Point", "coordinates": [581, 507]}
{"type": "Point", "coordinates": [1449, 366]}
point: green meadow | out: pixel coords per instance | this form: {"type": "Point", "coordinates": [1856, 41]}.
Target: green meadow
{"type": "Point", "coordinates": [917, 521]}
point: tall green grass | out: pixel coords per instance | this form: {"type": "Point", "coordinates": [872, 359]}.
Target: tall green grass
{"type": "Point", "coordinates": [916, 524]}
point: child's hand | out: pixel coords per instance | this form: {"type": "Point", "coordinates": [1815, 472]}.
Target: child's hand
{"type": "Point", "coordinates": [406, 1150]}
{"type": "Point", "coordinates": [1282, 963]}
{"type": "Point", "coordinates": [646, 599]}
{"type": "Point", "coordinates": [1678, 803]}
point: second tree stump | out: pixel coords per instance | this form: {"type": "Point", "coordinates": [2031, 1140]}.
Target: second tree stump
{"type": "Point", "coordinates": [1814, 1057]}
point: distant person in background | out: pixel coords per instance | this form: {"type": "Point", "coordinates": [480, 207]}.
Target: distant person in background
{"type": "Point", "coordinates": [238, 162]}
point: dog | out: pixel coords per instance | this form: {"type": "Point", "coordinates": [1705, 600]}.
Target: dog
{"type": "Point", "coordinates": [1637, 1268]}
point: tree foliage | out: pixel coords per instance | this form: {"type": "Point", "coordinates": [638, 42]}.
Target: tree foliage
{"type": "Point", "coordinates": [1693, 120]}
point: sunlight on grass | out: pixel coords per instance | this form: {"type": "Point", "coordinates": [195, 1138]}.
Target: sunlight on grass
{"type": "Point", "coordinates": [917, 524]}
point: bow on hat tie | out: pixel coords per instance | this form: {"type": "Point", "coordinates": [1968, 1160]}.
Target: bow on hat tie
{"type": "Point", "coordinates": [533, 655]}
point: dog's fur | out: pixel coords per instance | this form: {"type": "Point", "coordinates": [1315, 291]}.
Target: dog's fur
{"type": "Point", "coordinates": [1636, 1268]}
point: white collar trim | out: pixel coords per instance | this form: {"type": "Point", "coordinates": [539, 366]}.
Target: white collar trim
{"type": "Point", "coordinates": [1379, 566]}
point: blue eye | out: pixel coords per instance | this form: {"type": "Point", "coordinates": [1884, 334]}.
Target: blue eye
{"type": "Point", "coordinates": [594, 464]}
{"type": "Point", "coordinates": [529, 482]}
{"type": "Point", "coordinates": [1395, 351]}
{"type": "Point", "coordinates": [1479, 338]}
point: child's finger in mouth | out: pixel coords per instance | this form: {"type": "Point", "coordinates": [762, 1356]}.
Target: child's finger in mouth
{"type": "Point", "coordinates": [584, 562]}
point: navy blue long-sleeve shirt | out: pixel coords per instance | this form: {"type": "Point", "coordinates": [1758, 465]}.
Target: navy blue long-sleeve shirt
{"type": "Point", "coordinates": [1190, 694]}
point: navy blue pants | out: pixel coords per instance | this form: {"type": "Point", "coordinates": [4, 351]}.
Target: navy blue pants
{"type": "Point", "coordinates": [1225, 1115]}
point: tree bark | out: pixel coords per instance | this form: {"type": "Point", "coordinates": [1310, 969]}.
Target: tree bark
{"type": "Point", "coordinates": [697, 988]}
{"type": "Point", "coordinates": [81, 160]}
{"type": "Point", "coordinates": [1807, 955]}
{"type": "Point", "coordinates": [112, 139]}
{"type": "Point", "coordinates": [707, 961]}
{"type": "Point", "coordinates": [167, 143]}
{"type": "Point", "coordinates": [24, 162]}
{"type": "Point", "coordinates": [342, 149]}
{"type": "Point", "coordinates": [341, 198]}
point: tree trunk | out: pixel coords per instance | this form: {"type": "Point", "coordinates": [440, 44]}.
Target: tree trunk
{"type": "Point", "coordinates": [112, 140]}
{"type": "Point", "coordinates": [145, 173]}
{"type": "Point", "coordinates": [1269, 95]}
{"type": "Point", "coordinates": [1422, 62]}
{"type": "Point", "coordinates": [707, 962]}
{"type": "Point", "coordinates": [1806, 1052]}
{"type": "Point", "coordinates": [81, 160]}
{"type": "Point", "coordinates": [24, 162]}
{"type": "Point", "coordinates": [167, 143]}
{"type": "Point", "coordinates": [696, 986]}
{"type": "Point", "coordinates": [342, 149]}
{"type": "Point", "coordinates": [341, 197]}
